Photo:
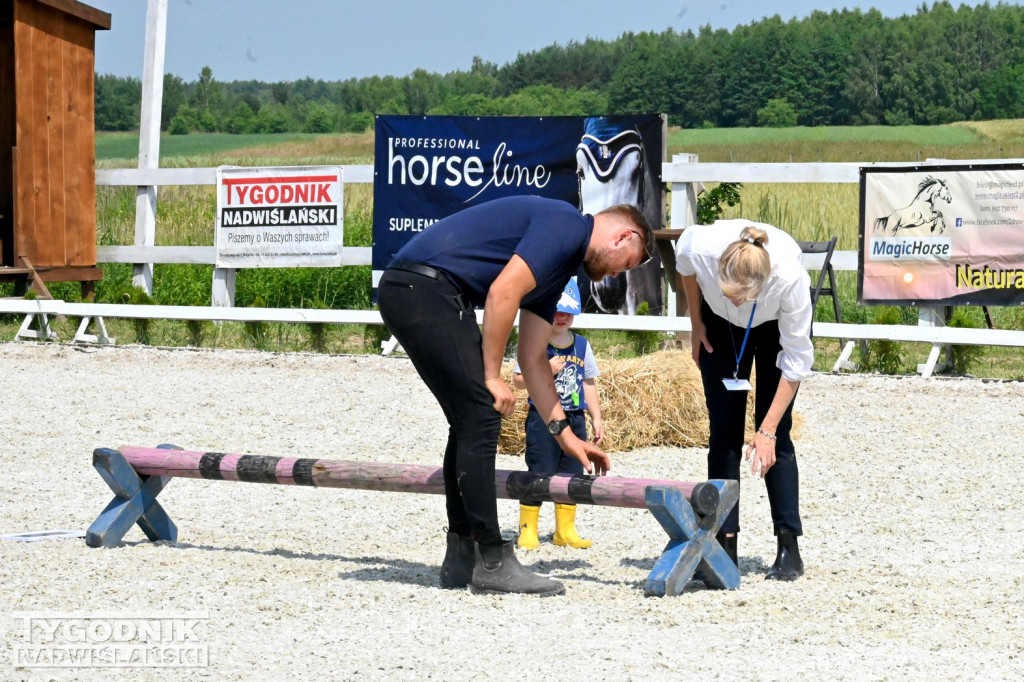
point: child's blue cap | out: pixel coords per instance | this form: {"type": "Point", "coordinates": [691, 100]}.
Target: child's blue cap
{"type": "Point", "coordinates": [570, 300]}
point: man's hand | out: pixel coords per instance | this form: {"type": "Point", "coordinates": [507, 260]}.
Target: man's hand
{"type": "Point", "coordinates": [500, 309]}
{"type": "Point", "coordinates": [594, 460]}
{"type": "Point", "coordinates": [504, 398]}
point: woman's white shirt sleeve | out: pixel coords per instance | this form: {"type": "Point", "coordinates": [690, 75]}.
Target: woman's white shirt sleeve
{"type": "Point", "coordinates": [795, 315]}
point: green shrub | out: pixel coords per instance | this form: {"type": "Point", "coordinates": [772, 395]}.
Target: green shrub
{"type": "Point", "coordinates": [709, 203]}
{"type": "Point", "coordinates": [885, 357]}
{"type": "Point", "coordinates": [257, 332]}
{"type": "Point", "coordinates": [185, 120]}
{"type": "Point", "coordinates": [373, 336]}
{"type": "Point", "coordinates": [644, 341]}
{"type": "Point", "coordinates": [777, 113]}
{"type": "Point", "coordinates": [142, 326]}
{"type": "Point", "coordinates": [355, 122]}
{"type": "Point", "coordinates": [317, 336]}
{"type": "Point", "coordinates": [196, 331]}
{"type": "Point", "coordinates": [962, 358]}
{"type": "Point", "coordinates": [317, 331]}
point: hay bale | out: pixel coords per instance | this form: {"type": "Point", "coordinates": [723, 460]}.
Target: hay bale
{"type": "Point", "coordinates": [655, 399]}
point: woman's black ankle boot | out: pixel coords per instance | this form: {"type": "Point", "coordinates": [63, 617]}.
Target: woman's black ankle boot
{"type": "Point", "coordinates": [788, 564]}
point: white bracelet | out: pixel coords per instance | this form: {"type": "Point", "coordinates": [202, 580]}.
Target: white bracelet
{"type": "Point", "coordinates": [765, 433]}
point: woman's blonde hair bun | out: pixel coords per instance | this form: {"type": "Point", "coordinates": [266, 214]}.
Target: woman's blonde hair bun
{"type": "Point", "coordinates": [745, 265]}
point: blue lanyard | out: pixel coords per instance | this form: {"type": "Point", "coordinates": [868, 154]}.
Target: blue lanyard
{"type": "Point", "coordinates": [743, 347]}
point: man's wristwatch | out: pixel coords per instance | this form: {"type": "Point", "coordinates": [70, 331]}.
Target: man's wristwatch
{"type": "Point", "coordinates": [556, 426]}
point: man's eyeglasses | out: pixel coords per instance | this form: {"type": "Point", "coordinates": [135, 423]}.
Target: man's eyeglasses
{"type": "Point", "coordinates": [647, 250]}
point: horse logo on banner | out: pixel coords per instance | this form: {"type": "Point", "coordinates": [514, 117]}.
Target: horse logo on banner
{"type": "Point", "coordinates": [611, 166]}
{"type": "Point", "coordinates": [920, 215]}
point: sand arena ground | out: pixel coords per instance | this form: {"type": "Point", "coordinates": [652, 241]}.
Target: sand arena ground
{"type": "Point", "coordinates": [912, 508]}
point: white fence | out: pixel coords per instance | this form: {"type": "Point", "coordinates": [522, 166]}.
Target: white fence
{"type": "Point", "coordinates": [683, 175]}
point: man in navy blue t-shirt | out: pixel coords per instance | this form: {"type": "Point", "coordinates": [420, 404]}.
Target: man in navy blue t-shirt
{"type": "Point", "coordinates": [508, 255]}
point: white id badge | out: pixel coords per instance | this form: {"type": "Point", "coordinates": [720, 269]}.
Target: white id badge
{"type": "Point", "coordinates": [737, 384]}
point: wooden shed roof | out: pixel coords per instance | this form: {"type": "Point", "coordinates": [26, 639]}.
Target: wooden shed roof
{"type": "Point", "coordinates": [98, 18]}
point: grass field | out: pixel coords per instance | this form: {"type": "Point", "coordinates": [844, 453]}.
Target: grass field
{"type": "Point", "coordinates": [917, 135]}
{"type": "Point", "coordinates": [808, 211]}
{"type": "Point", "coordinates": [126, 145]}
{"type": "Point", "coordinates": [115, 150]}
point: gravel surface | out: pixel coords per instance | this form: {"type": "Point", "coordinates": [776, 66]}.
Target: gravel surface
{"type": "Point", "coordinates": [914, 536]}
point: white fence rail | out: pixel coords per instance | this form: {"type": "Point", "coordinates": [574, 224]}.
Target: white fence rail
{"type": "Point", "coordinates": [937, 336]}
{"type": "Point", "coordinates": [831, 330]}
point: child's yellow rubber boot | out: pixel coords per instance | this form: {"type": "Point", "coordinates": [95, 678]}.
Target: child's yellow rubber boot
{"type": "Point", "coordinates": [565, 527]}
{"type": "Point", "coordinates": [528, 527]}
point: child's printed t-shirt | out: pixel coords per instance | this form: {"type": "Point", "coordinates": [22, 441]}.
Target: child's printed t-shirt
{"type": "Point", "coordinates": [579, 365]}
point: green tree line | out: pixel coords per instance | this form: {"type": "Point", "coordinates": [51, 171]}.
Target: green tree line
{"type": "Point", "coordinates": [843, 67]}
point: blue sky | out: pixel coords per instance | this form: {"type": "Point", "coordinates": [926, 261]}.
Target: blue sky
{"type": "Point", "coordinates": [285, 40]}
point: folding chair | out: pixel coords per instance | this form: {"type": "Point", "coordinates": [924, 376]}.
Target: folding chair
{"type": "Point", "coordinates": [818, 288]}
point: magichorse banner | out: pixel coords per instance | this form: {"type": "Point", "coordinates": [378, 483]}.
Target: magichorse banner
{"type": "Point", "coordinates": [429, 167]}
{"type": "Point", "coordinates": [942, 235]}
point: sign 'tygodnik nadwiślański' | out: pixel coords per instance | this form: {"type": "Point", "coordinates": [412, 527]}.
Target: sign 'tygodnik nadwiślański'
{"type": "Point", "coordinates": [279, 217]}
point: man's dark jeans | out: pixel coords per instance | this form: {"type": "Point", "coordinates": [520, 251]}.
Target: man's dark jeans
{"type": "Point", "coordinates": [439, 333]}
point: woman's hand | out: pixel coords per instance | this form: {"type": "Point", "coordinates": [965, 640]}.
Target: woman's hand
{"type": "Point", "coordinates": [699, 337]}
{"type": "Point", "coordinates": [762, 445]}
{"type": "Point", "coordinates": [762, 451]}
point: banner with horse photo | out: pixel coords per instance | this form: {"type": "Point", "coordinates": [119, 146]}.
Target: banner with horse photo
{"type": "Point", "coordinates": [429, 167]}
{"type": "Point", "coordinates": [942, 235]}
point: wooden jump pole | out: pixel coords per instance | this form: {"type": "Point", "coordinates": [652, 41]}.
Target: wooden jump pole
{"type": "Point", "coordinates": [604, 491]}
{"type": "Point", "coordinates": [690, 513]}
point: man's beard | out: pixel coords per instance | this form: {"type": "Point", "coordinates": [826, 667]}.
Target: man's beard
{"type": "Point", "coordinates": [592, 269]}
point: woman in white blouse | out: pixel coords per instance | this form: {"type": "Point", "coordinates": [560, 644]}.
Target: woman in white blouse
{"type": "Point", "coordinates": [749, 300]}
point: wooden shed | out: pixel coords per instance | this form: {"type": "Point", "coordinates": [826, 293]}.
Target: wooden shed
{"type": "Point", "coordinates": [47, 141]}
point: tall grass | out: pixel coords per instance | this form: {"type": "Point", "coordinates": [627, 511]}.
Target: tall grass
{"type": "Point", "coordinates": [188, 150]}
{"type": "Point", "coordinates": [809, 212]}
{"type": "Point", "coordinates": [126, 145]}
{"type": "Point", "coordinates": [861, 144]}
{"type": "Point", "coordinates": [918, 135]}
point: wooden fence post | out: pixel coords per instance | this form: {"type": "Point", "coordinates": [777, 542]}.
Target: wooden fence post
{"type": "Point", "coordinates": [149, 135]}
{"type": "Point", "coordinates": [933, 316]}
{"type": "Point", "coordinates": [224, 287]}
{"type": "Point", "coordinates": [683, 213]}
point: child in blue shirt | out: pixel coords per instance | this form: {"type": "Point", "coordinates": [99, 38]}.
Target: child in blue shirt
{"type": "Point", "coordinates": [572, 363]}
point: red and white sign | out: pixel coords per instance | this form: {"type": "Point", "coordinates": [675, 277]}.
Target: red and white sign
{"type": "Point", "coordinates": [279, 217]}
